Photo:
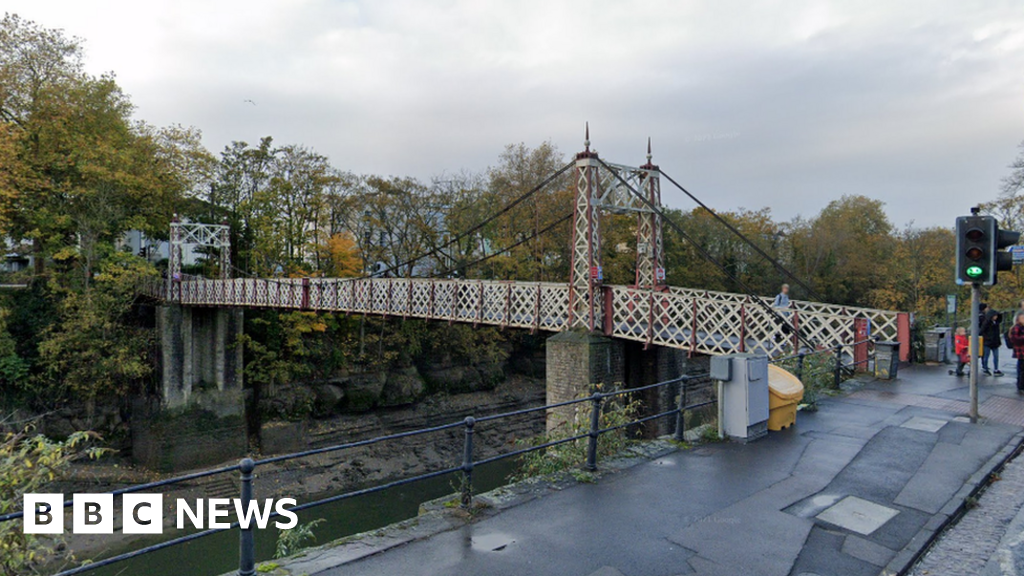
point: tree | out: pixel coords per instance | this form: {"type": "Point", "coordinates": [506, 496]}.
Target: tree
{"type": "Point", "coordinates": [95, 350]}
{"type": "Point", "coordinates": [919, 272]}
{"type": "Point", "coordinates": [341, 256]}
{"type": "Point", "coordinates": [1008, 207]}
{"type": "Point", "coordinates": [519, 170]}
{"type": "Point", "coordinates": [33, 62]}
{"type": "Point", "coordinates": [28, 463]}
{"type": "Point", "coordinates": [87, 172]}
{"type": "Point", "coordinates": [844, 250]}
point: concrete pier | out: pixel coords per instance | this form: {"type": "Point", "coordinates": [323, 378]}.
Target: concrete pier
{"type": "Point", "coordinates": [199, 418]}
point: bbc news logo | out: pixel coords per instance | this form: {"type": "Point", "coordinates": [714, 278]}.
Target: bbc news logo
{"type": "Point", "coordinates": [144, 513]}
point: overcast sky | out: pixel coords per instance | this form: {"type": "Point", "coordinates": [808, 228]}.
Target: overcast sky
{"type": "Point", "coordinates": [784, 104]}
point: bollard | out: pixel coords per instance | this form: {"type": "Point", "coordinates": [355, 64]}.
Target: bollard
{"type": "Point", "coordinates": [680, 415]}
{"type": "Point", "coordinates": [595, 426]}
{"type": "Point", "coordinates": [246, 540]}
{"type": "Point", "coordinates": [839, 366]}
{"type": "Point", "coordinates": [467, 463]}
{"type": "Point", "coordinates": [800, 366]}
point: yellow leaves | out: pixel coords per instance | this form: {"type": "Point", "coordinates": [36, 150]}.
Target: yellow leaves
{"type": "Point", "coordinates": [66, 253]}
{"type": "Point", "coordinates": [343, 256]}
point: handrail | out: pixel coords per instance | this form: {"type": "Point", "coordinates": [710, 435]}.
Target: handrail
{"type": "Point", "coordinates": [246, 466]}
{"type": "Point", "coordinates": [871, 340]}
{"type": "Point", "coordinates": [837, 368]}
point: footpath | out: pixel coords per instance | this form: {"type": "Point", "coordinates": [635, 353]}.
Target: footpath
{"type": "Point", "coordinates": [860, 487]}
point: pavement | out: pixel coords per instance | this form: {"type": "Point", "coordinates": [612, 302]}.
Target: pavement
{"type": "Point", "coordinates": [860, 487]}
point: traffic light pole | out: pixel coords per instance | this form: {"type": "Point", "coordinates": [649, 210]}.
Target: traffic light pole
{"type": "Point", "coordinates": [975, 349]}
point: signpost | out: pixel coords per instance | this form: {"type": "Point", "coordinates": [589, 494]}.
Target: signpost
{"type": "Point", "coordinates": [1018, 254]}
{"type": "Point", "coordinates": [951, 309]}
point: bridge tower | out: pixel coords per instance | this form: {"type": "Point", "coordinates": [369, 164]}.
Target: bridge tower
{"type": "Point", "coordinates": [586, 274]}
{"type": "Point", "coordinates": [650, 265]}
{"type": "Point", "coordinates": [583, 357]}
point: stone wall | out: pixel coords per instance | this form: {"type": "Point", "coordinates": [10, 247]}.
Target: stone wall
{"type": "Point", "coordinates": [578, 363]}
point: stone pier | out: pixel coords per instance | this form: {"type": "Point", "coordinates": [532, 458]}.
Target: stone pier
{"type": "Point", "coordinates": [578, 362]}
{"type": "Point", "coordinates": [199, 418]}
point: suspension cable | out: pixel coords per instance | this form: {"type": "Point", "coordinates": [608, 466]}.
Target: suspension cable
{"type": "Point", "coordinates": [509, 248]}
{"type": "Point", "coordinates": [438, 249]}
{"type": "Point", "coordinates": [707, 255]}
{"type": "Point", "coordinates": [778, 265]}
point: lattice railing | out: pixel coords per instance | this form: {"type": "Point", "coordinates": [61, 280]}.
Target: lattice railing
{"type": "Point", "coordinates": [699, 321]}
{"type": "Point", "coordinates": [535, 305]}
{"type": "Point", "coordinates": [722, 323]}
{"type": "Point", "coordinates": [882, 323]}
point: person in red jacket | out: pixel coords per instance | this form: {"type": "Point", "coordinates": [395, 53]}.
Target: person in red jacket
{"type": "Point", "coordinates": [1016, 338]}
{"type": "Point", "coordinates": [961, 345]}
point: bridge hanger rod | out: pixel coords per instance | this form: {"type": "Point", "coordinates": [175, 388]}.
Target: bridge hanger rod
{"type": "Point", "coordinates": [778, 265]}
{"type": "Point", "coordinates": [707, 256]}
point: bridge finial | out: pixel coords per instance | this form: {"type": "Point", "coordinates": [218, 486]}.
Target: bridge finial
{"type": "Point", "coordinates": [586, 138]}
{"type": "Point", "coordinates": [648, 149]}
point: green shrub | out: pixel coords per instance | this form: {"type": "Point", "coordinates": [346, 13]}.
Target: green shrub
{"type": "Point", "coordinates": [617, 411]}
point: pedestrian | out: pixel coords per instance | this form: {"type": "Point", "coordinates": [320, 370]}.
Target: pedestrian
{"type": "Point", "coordinates": [782, 299]}
{"type": "Point", "coordinates": [962, 347]}
{"type": "Point", "coordinates": [991, 340]}
{"type": "Point", "coordinates": [1016, 337]}
{"type": "Point", "coordinates": [782, 318]}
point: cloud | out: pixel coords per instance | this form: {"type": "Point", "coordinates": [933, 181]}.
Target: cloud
{"type": "Point", "coordinates": [784, 104]}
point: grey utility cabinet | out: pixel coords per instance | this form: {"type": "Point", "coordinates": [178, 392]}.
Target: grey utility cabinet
{"type": "Point", "coordinates": [743, 394]}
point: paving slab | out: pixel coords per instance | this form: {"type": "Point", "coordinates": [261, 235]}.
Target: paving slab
{"type": "Point", "coordinates": [857, 515]}
{"type": "Point", "coordinates": [924, 424]}
{"type": "Point", "coordinates": [867, 551]}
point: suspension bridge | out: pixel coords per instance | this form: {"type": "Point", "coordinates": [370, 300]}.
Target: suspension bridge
{"type": "Point", "coordinates": [697, 321]}
{"type": "Point", "coordinates": [597, 327]}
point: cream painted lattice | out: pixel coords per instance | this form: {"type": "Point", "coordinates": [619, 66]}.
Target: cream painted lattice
{"type": "Point", "coordinates": [696, 320]}
{"type": "Point", "coordinates": [585, 271]}
{"type": "Point", "coordinates": [882, 323]}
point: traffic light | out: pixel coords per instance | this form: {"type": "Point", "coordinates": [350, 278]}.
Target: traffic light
{"type": "Point", "coordinates": [1004, 259]}
{"type": "Point", "coordinates": [979, 249]}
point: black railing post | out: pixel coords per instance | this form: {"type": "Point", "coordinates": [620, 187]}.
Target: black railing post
{"type": "Point", "coordinates": [595, 427]}
{"type": "Point", "coordinates": [467, 463]}
{"type": "Point", "coordinates": [246, 540]}
{"type": "Point", "coordinates": [839, 366]}
{"type": "Point", "coordinates": [680, 415]}
{"type": "Point", "coordinates": [800, 366]}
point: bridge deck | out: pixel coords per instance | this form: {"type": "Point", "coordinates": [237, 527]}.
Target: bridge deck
{"type": "Point", "coordinates": [696, 320]}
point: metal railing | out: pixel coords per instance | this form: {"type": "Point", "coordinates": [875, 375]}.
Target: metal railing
{"type": "Point", "coordinates": [839, 367]}
{"type": "Point", "coordinates": [695, 320]}
{"type": "Point", "coordinates": [247, 466]}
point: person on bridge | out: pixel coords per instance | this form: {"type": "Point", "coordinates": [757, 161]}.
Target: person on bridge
{"type": "Point", "coordinates": [782, 299]}
{"type": "Point", "coordinates": [1017, 340]}
{"type": "Point", "coordinates": [991, 339]}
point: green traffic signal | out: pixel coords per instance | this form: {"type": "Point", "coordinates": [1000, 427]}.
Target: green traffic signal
{"type": "Point", "coordinates": [974, 271]}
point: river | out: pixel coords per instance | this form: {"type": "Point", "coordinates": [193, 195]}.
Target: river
{"type": "Point", "coordinates": [218, 553]}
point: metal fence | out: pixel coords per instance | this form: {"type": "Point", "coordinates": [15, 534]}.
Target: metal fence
{"type": "Point", "coordinates": [861, 353]}
{"type": "Point", "coordinates": [247, 466]}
